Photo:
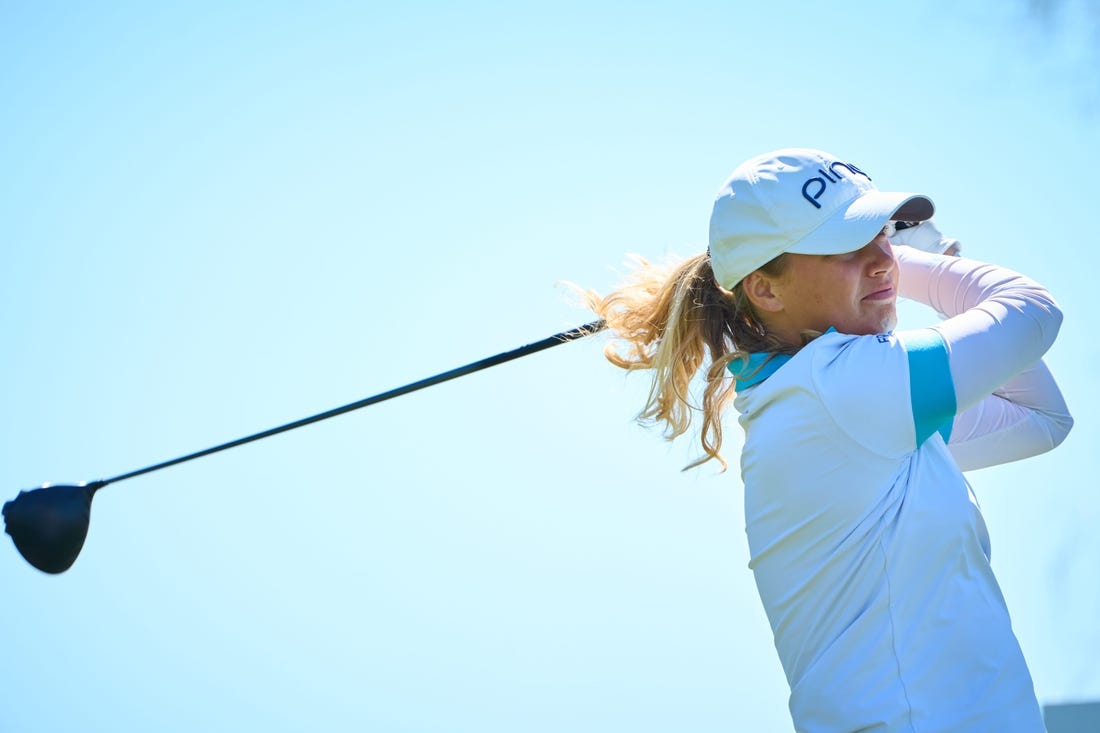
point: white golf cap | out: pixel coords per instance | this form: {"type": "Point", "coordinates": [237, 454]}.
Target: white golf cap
{"type": "Point", "coordinates": [803, 201]}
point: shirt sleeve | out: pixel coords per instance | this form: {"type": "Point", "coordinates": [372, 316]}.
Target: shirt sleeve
{"type": "Point", "coordinates": [867, 387]}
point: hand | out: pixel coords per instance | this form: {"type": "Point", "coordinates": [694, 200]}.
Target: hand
{"type": "Point", "coordinates": [924, 236]}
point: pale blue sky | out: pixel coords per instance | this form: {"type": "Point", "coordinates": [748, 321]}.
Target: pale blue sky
{"type": "Point", "coordinates": [218, 219]}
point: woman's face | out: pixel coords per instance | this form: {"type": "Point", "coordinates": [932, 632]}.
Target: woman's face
{"type": "Point", "coordinates": [854, 293]}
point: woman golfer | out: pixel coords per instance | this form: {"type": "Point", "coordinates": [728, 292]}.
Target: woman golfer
{"type": "Point", "coordinates": [868, 547]}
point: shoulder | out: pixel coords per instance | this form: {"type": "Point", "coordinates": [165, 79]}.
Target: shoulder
{"type": "Point", "coordinates": [881, 391]}
{"type": "Point", "coordinates": [862, 384]}
{"type": "Point", "coordinates": [840, 358]}
{"type": "Point", "coordinates": [832, 360]}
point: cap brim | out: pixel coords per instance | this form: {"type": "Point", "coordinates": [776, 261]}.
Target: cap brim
{"type": "Point", "coordinates": [853, 226]}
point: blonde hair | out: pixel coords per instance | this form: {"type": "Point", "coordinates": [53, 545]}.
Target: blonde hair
{"type": "Point", "coordinates": [674, 319]}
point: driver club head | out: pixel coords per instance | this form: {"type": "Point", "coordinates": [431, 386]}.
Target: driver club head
{"type": "Point", "coordinates": [48, 525]}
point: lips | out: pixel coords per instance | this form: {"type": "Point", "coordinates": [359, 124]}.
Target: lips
{"type": "Point", "coordinates": [886, 293]}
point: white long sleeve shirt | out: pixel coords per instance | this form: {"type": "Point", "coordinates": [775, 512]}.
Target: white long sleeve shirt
{"type": "Point", "coordinates": [866, 542]}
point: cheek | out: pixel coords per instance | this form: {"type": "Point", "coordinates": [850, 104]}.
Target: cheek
{"type": "Point", "coordinates": [840, 286]}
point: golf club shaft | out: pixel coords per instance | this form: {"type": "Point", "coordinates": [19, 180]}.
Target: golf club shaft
{"type": "Point", "coordinates": [532, 348]}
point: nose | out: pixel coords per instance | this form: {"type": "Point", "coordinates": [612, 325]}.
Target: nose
{"type": "Point", "coordinates": [881, 255]}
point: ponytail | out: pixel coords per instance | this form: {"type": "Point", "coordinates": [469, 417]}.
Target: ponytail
{"type": "Point", "coordinates": [674, 320]}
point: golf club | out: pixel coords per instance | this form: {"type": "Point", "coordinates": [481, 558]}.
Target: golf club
{"type": "Point", "coordinates": [49, 524]}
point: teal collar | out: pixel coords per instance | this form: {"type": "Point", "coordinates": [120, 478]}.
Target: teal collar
{"type": "Point", "coordinates": [760, 366]}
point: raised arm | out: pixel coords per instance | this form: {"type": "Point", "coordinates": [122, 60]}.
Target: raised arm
{"type": "Point", "coordinates": [999, 324]}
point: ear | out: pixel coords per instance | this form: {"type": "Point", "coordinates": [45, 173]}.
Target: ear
{"type": "Point", "coordinates": [761, 292]}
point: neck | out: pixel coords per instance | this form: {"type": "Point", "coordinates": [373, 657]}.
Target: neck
{"type": "Point", "coordinates": [786, 333]}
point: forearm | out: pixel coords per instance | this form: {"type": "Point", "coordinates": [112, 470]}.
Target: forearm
{"type": "Point", "coordinates": [1024, 417]}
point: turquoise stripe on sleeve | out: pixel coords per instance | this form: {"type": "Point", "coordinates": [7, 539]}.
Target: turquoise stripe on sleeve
{"type": "Point", "coordinates": [931, 390]}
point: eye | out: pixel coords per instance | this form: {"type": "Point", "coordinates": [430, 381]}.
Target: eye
{"type": "Point", "coordinates": [843, 256]}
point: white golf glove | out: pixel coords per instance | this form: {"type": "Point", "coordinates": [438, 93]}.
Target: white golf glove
{"type": "Point", "coordinates": [924, 236]}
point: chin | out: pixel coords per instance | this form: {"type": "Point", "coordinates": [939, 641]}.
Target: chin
{"type": "Point", "coordinates": [886, 322]}
{"type": "Point", "coordinates": [873, 328]}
